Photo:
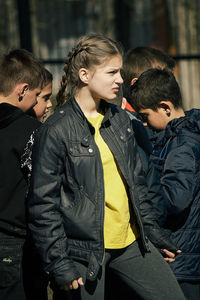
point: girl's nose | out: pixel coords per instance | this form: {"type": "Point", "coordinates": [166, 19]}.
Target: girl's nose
{"type": "Point", "coordinates": [120, 79]}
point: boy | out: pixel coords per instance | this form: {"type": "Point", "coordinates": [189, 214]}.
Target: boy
{"type": "Point", "coordinates": [136, 61]}
{"type": "Point", "coordinates": [176, 154]}
{"type": "Point", "coordinates": [43, 106]}
{"type": "Point", "coordinates": [21, 77]}
{"type": "Point", "coordinates": [140, 59]}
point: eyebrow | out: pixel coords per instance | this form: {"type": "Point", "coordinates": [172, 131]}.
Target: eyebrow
{"type": "Point", "coordinates": [47, 95]}
{"type": "Point", "coordinates": [114, 69]}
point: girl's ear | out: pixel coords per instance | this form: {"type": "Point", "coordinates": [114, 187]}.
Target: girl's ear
{"type": "Point", "coordinates": [83, 75]}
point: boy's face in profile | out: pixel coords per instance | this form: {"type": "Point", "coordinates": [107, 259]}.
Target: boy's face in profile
{"type": "Point", "coordinates": [156, 119]}
{"type": "Point", "coordinates": [30, 98]}
{"type": "Point", "coordinates": [43, 102]}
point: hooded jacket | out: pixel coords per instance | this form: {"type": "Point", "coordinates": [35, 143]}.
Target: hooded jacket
{"type": "Point", "coordinates": [15, 130]}
{"type": "Point", "coordinates": [66, 195]}
{"type": "Point", "coordinates": [176, 155]}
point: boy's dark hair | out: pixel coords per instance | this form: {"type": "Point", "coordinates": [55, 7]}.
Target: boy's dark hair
{"type": "Point", "coordinates": [140, 59]}
{"type": "Point", "coordinates": [47, 77]}
{"type": "Point", "coordinates": [154, 86]}
{"type": "Point", "coordinates": [18, 66]}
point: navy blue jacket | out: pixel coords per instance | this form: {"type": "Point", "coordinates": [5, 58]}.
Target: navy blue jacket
{"type": "Point", "coordinates": [151, 173]}
{"type": "Point", "coordinates": [177, 156]}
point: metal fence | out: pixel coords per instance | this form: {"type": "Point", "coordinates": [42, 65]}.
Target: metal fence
{"type": "Point", "coordinates": [49, 29]}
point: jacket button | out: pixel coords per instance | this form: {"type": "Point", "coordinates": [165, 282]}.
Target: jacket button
{"type": "Point", "coordinates": [85, 139]}
{"type": "Point", "coordinates": [121, 137]}
{"type": "Point", "coordinates": [129, 130]}
{"type": "Point", "coordinates": [90, 150]}
{"type": "Point", "coordinates": [61, 111]}
{"type": "Point", "coordinates": [91, 274]}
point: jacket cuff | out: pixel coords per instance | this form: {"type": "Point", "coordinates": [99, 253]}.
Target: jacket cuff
{"type": "Point", "coordinates": [65, 273]}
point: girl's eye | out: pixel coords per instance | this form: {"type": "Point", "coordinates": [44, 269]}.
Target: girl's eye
{"type": "Point", "coordinates": [113, 72]}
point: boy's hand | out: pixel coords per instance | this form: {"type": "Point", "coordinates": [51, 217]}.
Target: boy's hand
{"type": "Point", "coordinates": [169, 256]}
{"type": "Point", "coordinates": [73, 285]}
{"type": "Point", "coordinates": [160, 239]}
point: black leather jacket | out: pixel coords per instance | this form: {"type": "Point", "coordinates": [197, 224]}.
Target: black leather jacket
{"type": "Point", "coordinates": [66, 197]}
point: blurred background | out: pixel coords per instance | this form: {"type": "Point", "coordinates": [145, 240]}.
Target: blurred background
{"type": "Point", "coordinates": [49, 29]}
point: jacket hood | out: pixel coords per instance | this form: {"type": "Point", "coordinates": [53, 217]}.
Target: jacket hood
{"type": "Point", "coordinates": [8, 114]}
{"type": "Point", "coordinates": [188, 125]}
{"type": "Point", "coordinates": [190, 121]}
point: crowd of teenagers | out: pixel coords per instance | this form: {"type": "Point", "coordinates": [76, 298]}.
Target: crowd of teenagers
{"type": "Point", "coordinates": [101, 200]}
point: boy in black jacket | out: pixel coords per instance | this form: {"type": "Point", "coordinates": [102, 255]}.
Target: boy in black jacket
{"type": "Point", "coordinates": [176, 154]}
{"type": "Point", "coordinates": [21, 77]}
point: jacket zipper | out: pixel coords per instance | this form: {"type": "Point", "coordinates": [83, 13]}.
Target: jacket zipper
{"type": "Point", "coordinates": [103, 208]}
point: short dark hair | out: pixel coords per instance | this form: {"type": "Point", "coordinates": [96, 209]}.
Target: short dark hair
{"type": "Point", "coordinates": [154, 86]}
{"type": "Point", "coordinates": [48, 77]}
{"type": "Point", "coordinates": [18, 66]}
{"type": "Point", "coordinates": [140, 59]}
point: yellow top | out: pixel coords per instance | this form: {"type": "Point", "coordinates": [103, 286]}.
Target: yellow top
{"type": "Point", "coordinates": [118, 232]}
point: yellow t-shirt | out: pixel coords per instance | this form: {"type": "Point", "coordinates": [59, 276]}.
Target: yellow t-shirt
{"type": "Point", "coordinates": [118, 232]}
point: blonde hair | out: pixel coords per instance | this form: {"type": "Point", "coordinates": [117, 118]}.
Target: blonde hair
{"type": "Point", "coordinates": [90, 50]}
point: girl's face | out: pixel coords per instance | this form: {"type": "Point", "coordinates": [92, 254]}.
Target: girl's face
{"type": "Point", "coordinates": [104, 81]}
{"type": "Point", "coordinates": [43, 102]}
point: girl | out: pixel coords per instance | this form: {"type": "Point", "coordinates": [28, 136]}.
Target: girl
{"type": "Point", "coordinates": [88, 198]}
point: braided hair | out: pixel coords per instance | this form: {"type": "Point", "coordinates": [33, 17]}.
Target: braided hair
{"type": "Point", "coordinates": [90, 50]}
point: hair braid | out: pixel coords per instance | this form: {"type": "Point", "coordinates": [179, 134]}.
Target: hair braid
{"type": "Point", "coordinates": [61, 95]}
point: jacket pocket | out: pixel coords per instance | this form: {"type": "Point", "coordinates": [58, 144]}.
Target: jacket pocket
{"type": "Point", "coordinates": [125, 133]}
{"type": "Point", "coordinates": [80, 149]}
{"type": "Point", "coordinates": [10, 264]}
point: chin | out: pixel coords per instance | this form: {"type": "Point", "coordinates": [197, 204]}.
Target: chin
{"type": "Point", "coordinates": [110, 98]}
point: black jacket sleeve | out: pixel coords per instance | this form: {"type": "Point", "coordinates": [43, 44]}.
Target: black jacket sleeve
{"type": "Point", "coordinates": [45, 221]}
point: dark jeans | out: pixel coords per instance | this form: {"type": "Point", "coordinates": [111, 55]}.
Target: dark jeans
{"type": "Point", "coordinates": [191, 290]}
{"type": "Point", "coordinates": [21, 276]}
{"type": "Point", "coordinates": [137, 277]}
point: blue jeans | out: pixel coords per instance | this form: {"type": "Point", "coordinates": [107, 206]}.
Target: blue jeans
{"type": "Point", "coordinates": [21, 276]}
